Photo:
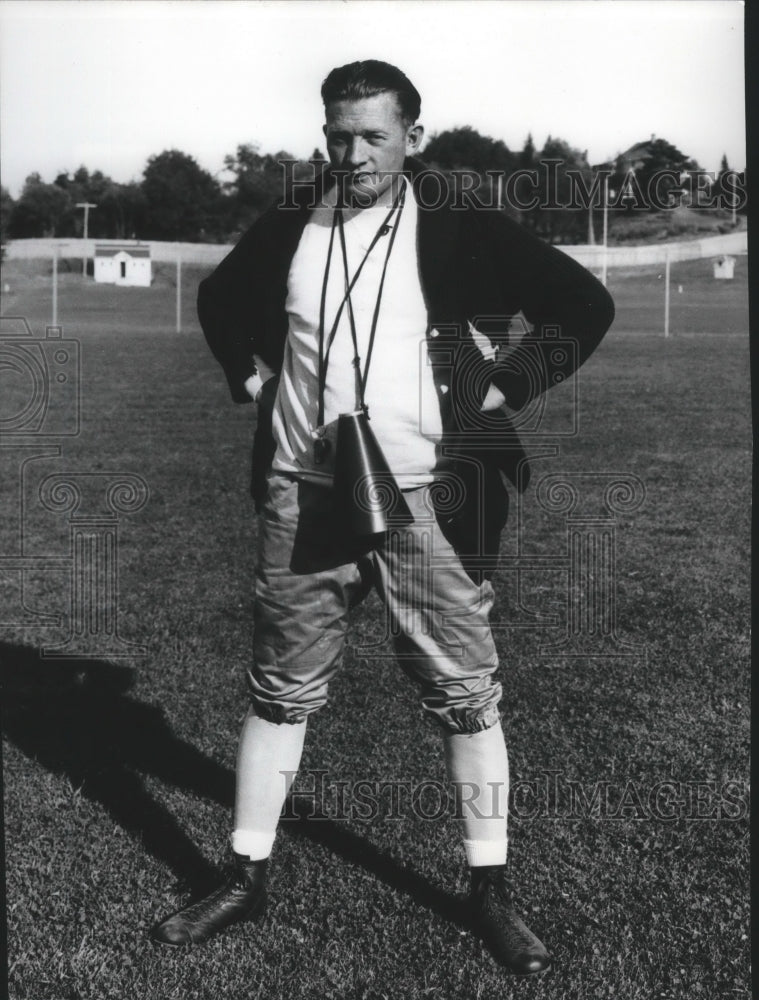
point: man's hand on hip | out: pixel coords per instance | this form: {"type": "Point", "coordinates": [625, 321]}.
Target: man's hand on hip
{"type": "Point", "coordinates": [493, 399]}
{"type": "Point", "coordinates": [253, 386]}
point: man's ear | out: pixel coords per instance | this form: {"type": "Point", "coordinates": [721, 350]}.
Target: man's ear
{"type": "Point", "coordinates": [414, 138]}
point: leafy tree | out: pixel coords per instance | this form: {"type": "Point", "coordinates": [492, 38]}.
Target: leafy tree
{"type": "Point", "coordinates": [41, 209]}
{"type": "Point", "coordinates": [257, 182]}
{"type": "Point", "coordinates": [83, 187]}
{"type": "Point", "coordinates": [526, 159]}
{"type": "Point", "coordinates": [464, 148]}
{"type": "Point", "coordinates": [119, 211]}
{"type": "Point", "coordinates": [560, 167]}
{"type": "Point", "coordinates": [182, 201]}
{"type": "Point", "coordinates": [634, 171]}
{"type": "Point", "coordinates": [132, 208]}
{"type": "Point", "coordinates": [726, 188]}
{"type": "Point", "coordinates": [6, 210]}
{"type": "Point", "coordinates": [662, 155]}
{"type": "Point", "coordinates": [50, 209]}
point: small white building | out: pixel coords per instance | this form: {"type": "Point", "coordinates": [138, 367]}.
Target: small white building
{"type": "Point", "coordinates": [123, 264]}
{"type": "Point", "coordinates": [724, 268]}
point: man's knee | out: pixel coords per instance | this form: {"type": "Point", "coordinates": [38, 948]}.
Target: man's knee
{"type": "Point", "coordinates": [285, 701]}
{"type": "Point", "coordinates": [464, 719]}
{"type": "Point", "coordinates": [280, 713]}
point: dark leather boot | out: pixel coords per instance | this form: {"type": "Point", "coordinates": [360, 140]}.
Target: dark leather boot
{"type": "Point", "coordinates": [508, 938]}
{"type": "Point", "coordinates": [242, 897]}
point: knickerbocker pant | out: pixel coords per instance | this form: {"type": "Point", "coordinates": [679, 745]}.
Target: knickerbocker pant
{"type": "Point", "coordinates": [311, 571]}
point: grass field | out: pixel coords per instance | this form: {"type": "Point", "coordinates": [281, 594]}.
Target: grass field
{"type": "Point", "coordinates": [119, 773]}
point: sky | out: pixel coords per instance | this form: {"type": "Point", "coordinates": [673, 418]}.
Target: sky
{"type": "Point", "coordinates": [108, 83]}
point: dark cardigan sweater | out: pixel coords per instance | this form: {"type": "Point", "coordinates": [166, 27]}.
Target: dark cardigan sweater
{"type": "Point", "coordinates": [476, 266]}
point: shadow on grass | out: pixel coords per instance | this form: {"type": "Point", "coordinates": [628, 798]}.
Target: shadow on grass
{"type": "Point", "coordinates": [76, 719]}
{"type": "Point", "coordinates": [353, 848]}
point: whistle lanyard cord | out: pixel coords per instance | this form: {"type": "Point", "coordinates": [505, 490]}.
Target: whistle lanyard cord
{"type": "Point", "coordinates": [337, 221]}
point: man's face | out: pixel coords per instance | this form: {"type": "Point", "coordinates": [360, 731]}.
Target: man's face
{"type": "Point", "coordinates": [369, 140]}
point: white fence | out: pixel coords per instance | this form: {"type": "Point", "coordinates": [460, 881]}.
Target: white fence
{"type": "Point", "coordinates": [592, 257]}
{"type": "Point", "coordinates": [211, 253]}
{"type": "Point", "coordinates": [160, 252]}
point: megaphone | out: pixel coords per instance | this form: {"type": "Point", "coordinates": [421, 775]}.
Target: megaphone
{"type": "Point", "coordinates": [365, 488]}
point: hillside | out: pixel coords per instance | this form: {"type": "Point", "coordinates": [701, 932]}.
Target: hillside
{"type": "Point", "coordinates": [675, 224]}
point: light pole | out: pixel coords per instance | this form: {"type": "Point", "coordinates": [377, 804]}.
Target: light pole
{"type": "Point", "coordinates": [607, 192]}
{"type": "Point", "coordinates": [56, 252]}
{"type": "Point", "coordinates": [86, 205]}
{"type": "Point", "coordinates": [666, 291]}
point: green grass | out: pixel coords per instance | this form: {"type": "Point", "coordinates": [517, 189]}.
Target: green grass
{"type": "Point", "coordinates": [699, 303]}
{"type": "Point", "coordinates": [118, 775]}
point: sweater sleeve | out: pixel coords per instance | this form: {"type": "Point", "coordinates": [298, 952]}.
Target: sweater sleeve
{"type": "Point", "coordinates": [568, 308]}
{"type": "Point", "coordinates": [227, 309]}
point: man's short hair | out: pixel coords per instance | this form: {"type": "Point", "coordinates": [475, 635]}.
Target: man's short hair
{"type": "Point", "coordinates": [368, 78]}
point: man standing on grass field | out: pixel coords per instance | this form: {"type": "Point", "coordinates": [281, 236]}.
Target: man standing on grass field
{"type": "Point", "coordinates": [359, 293]}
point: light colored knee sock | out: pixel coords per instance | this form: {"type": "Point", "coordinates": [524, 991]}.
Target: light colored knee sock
{"type": "Point", "coordinates": [479, 769]}
{"type": "Point", "coordinates": [267, 760]}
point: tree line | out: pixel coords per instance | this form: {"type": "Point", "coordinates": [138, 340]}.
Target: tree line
{"type": "Point", "coordinates": [176, 199]}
